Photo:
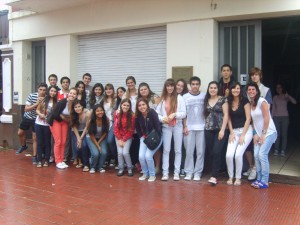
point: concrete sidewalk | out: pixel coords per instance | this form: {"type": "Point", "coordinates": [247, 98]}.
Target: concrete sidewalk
{"type": "Point", "coordinates": [30, 195]}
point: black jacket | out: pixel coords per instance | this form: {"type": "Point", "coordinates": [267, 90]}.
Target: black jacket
{"type": "Point", "coordinates": [144, 126]}
{"type": "Point", "coordinates": [58, 109]}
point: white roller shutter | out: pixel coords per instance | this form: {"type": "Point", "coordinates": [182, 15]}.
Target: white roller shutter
{"type": "Point", "coordinates": [111, 57]}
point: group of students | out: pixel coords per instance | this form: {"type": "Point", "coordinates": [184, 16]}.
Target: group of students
{"type": "Point", "coordinates": [103, 124]}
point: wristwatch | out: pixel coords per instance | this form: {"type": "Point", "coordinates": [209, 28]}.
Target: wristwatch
{"type": "Point", "coordinates": [264, 131]}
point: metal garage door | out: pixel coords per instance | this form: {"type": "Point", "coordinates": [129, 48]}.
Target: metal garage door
{"type": "Point", "coordinates": [111, 57]}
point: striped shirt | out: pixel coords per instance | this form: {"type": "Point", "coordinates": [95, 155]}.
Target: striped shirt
{"type": "Point", "coordinates": [31, 100]}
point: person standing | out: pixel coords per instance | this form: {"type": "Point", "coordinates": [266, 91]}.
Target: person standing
{"type": "Point", "coordinates": [265, 134]}
{"type": "Point", "coordinates": [28, 120]}
{"type": "Point", "coordinates": [226, 81]}
{"type": "Point", "coordinates": [86, 79]}
{"type": "Point", "coordinates": [193, 130]}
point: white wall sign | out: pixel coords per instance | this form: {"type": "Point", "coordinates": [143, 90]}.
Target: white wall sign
{"type": "Point", "coordinates": [7, 95]}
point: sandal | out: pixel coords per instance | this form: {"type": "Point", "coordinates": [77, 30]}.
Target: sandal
{"type": "Point", "coordinates": [229, 182]}
{"type": "Point", "coordinates": [261, 185]}
{"type": "Point", "coordinates": [255, 183]}
{"type": "Point", "coordinates": [79, 166]}
{"type": "Point", "coordinates": [237, 182]}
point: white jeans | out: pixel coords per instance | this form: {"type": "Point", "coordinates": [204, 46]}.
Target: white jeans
{"type": "Point", "coordinates": [237, 151]}
{"type": "Point", "coordinates": [168, 132]}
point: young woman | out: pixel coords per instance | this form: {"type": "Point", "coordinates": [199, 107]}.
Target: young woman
{"type": "Point", "coordinates": [120, 92]}
{"type": "Point", "coordinates": [281, 117]}
{"type": "Point", "coordinates": [241, 132]}
{"type": "Point", "coordinates": [216, 118]}
{"type": "Point", "coordinates": [96, 95]}
{"type": "Point", "coordinates": [108, 102]}
{"type": "Point", "coordinates": [79, 123]}
{"type": "Point", "coordinates": [42, 128]}
{"type": "Point", "coordinates": [265, 135]}
{"type": "Point", "coordinates": [171, 110]}
{"type": "Point", "coordinates": [181, 87]}
{"type": "Point", "coordinates": [131, 92]}
{"type": "Point", "coordinates": [59, 129]}
{"type": "Point", "coordinates": [123, 130]}
{"type": "Point", "coordinates": [146, 120]}
{"type": "Point", "coordinates": [96, 139]}
{"type": "Point", "coordinates": [80, 86]}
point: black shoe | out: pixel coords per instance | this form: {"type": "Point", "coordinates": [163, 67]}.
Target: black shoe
{"type": "Point", "coordinates": [120, 173]}
{"type": "Point", "coordinates": [130, 173]}
{"type": "Point", "coordinates": [21, 149]}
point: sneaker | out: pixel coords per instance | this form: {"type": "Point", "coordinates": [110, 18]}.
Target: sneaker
{"type": "Point", "coordinates": [85, 169]}
{"type": "Point", "coordinates": [275, 152]}
{"type": "Point", "coordinates": [247, 173]}
{"type": "Point", "coordinates": [120, 173]}
{"type": "Point", "coordinates": [252, 174]}
{"type": "Point", "coordinates": [21, 149]}
{"type": "Point", "coordinates": [46, 164]}
{"type": "Point", "coordinates": [176, 177]}
{"type": "Point", "coordinates": [152, 178]}
{"type": "Point", "coordinates": [197, 177]}
{"type": "Point", "coordinates": [116, 167]}
{"type": "Point", "coordinates": [182, 173]}
{"type": "Point", "coordinates": [39, 165]}
{"type": "Point", "coordinates": [51, 160]}
{"type": "Point", "coordinates": [34, 160]}
{"type": "Point", "coordinates": [102, 170]}
{"type": "Point", "coordinates": [212, 181]}
{"type": "Point", "coordinates": [165, 177]}
{"type": "Point", "coordinates": [64, 164]}
{"type": "Point", "coordinates": [282, 153]}
{"type": "Point", "coordinates": [188, 177]}
{"type": "Point", "coordinates": [112, 163]}
{"type": "Point", "coordinates": [92, 170]}
{"type": "Point", "coordinates": [143, 177]}
{"type": "Point", "coordinates": [60, 166]}
{"type": "Point", "coordinates": [130, 173]}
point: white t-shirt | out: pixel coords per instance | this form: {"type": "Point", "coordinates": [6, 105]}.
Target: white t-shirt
{"type": "Point", "coordinates": [258, 119]}
{"type": "Point", "coordinates": [195, 111]}
{"type": "Point", "coordinates": [43, 122]}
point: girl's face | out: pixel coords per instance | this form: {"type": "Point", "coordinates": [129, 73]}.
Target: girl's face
{"type": "Point", "coordinates": [170, 89]}
{"type": "Point", "coordinates": [179, 87]}
{"type": "Point", "coordinates": [251, 92]}
{"type": "Point", "coordinates": [130, 84]}
{"type": "Point", "coordinates": [279, 89]}
{"type": "Point", "coordinates": [144, 91]}
{"type": "Point", "coordinates": [98, 91]}
{"type": "Point", "coordinates": [125, 107]}
{"type": "Point", "coordinates": [236, 91]}
{"type": "Point", "coordinates": [109, 91]}
{"type": "Point", "coordinates": [213, 90]}
{"type": "Point", "coordinates": [52, 92]}
{"type": "Point", "coordinates": [72, 95]}
{"type": "Point", "coordinates": [99, 112]}
{"type": "Point", "coordinates": [142, 107]}
{"type": "Point", "coordinates": [120, 93]}
{"type": "Point", "coordinates": [78, 108]}
{"type": "Point", "coordinates": [80, 88]}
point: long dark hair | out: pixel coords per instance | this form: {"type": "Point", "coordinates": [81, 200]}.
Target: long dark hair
{"type": "Point", "coordinates": [93, 96]}
{"type": "Point", "coordinates": [137, 112]}
{"type": "Point", "coordinates": [93, 123]}
{"type": "Point", "coordinates": [230, 96]}
{"type": "Point", "coordinates": [185, 87]}
{"type": "Point", "coordinates": [151, 94]}
{"type": "Point", "coordinates": [207, 97]}
{"type": "Point", "coordinates": [128, 115]}
{"type": "Point", "coordinates": [173, 97]}
{"type": "Point", "coordinates": [257, 96]}
{"type": "Point", "coordinates": [48, 98]}
{"type": "Point", "coordinates": [75, 116]}
{"type": "Point", "coordinates": [83, 95]}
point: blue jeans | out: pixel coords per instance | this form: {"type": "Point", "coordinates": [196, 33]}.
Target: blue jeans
{"type": "Point", "coordinates": [112, 154]}
{"type": "Point", "coordinates": [146, 158]}
{"type": "Point", "coordinates": [83, 152]}
{"type": "Point", "coordinates": [261, 158]}
{"type": "Point", "coordinates": [43, 136]}
{"type": "Point", "coordinates": [97, 158]}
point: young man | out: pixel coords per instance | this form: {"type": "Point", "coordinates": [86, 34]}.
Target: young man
{"type": "Point", "coordinates": [194, 125]}
{"type": "Point", "coordinates": [255, 75]}
{"type": "Point", "coordinates": [29, 119]}
{"type": "Point", "coordinates": [87, 78]}
{"type": "Point", "coordinates": [65, 84]}
{"type": "Point", "coordinates": [226, 80]}
{"type": "Point", "coordinates": [52, 78]}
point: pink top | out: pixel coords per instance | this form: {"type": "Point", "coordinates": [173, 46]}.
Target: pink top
{"type": "Point", "coordinates": [279, 107]}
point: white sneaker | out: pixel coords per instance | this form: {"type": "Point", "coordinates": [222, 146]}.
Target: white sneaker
{"type": "Point", "coordinates": [252, 174]}
{"type": "Point", "coordinates": [60, 166]}
{"type": "Point", "coordinates": [151, 179]}
{"type": "Point", "coordinates": [197, 178]}
{"type": "Point", "coordinates": [102, 170]}
{"type": "Point", "coordinates": [188, 177]}
{"type": "Point", "coordinates": [247, 173]}
{"type": "Point", "coordinates": [176, 177]}
{"type": "Point", "coordinates": [92, 170]}
{"type": "Point", "coordinates": [165, 177]}
{"type": "Point", "coordinates": [64, 164]}
{"type": "Point", "coordinates": [144, 177]}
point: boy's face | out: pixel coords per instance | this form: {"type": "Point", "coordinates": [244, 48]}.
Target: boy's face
{"type": "Point", "coordinates": [195, 86]}
{"type": "Point", "coordinates": [52, 81]}
{"type": "Point", "coordinates": [86, 80]}
{"type": "Point", "coordinates": [42, 91]}
{"type": "Point", "coordinates": [255, 77]}
{"type": "Point", "coordinates": [226, 72]}
{"type": "Point", "coordinates": [65, 84]}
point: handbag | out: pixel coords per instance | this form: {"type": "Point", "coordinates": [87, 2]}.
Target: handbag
{"type": "Point", "coordinates": [152, 139]}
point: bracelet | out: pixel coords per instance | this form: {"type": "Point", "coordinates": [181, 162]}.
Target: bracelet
{"type": "Point", "coordinates": [254, 132]}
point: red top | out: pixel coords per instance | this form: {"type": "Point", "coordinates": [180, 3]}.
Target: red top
{"type": "Point", "coordinates": [123, 134]}
{"type": "Point", "coordinates": [61, 95]}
